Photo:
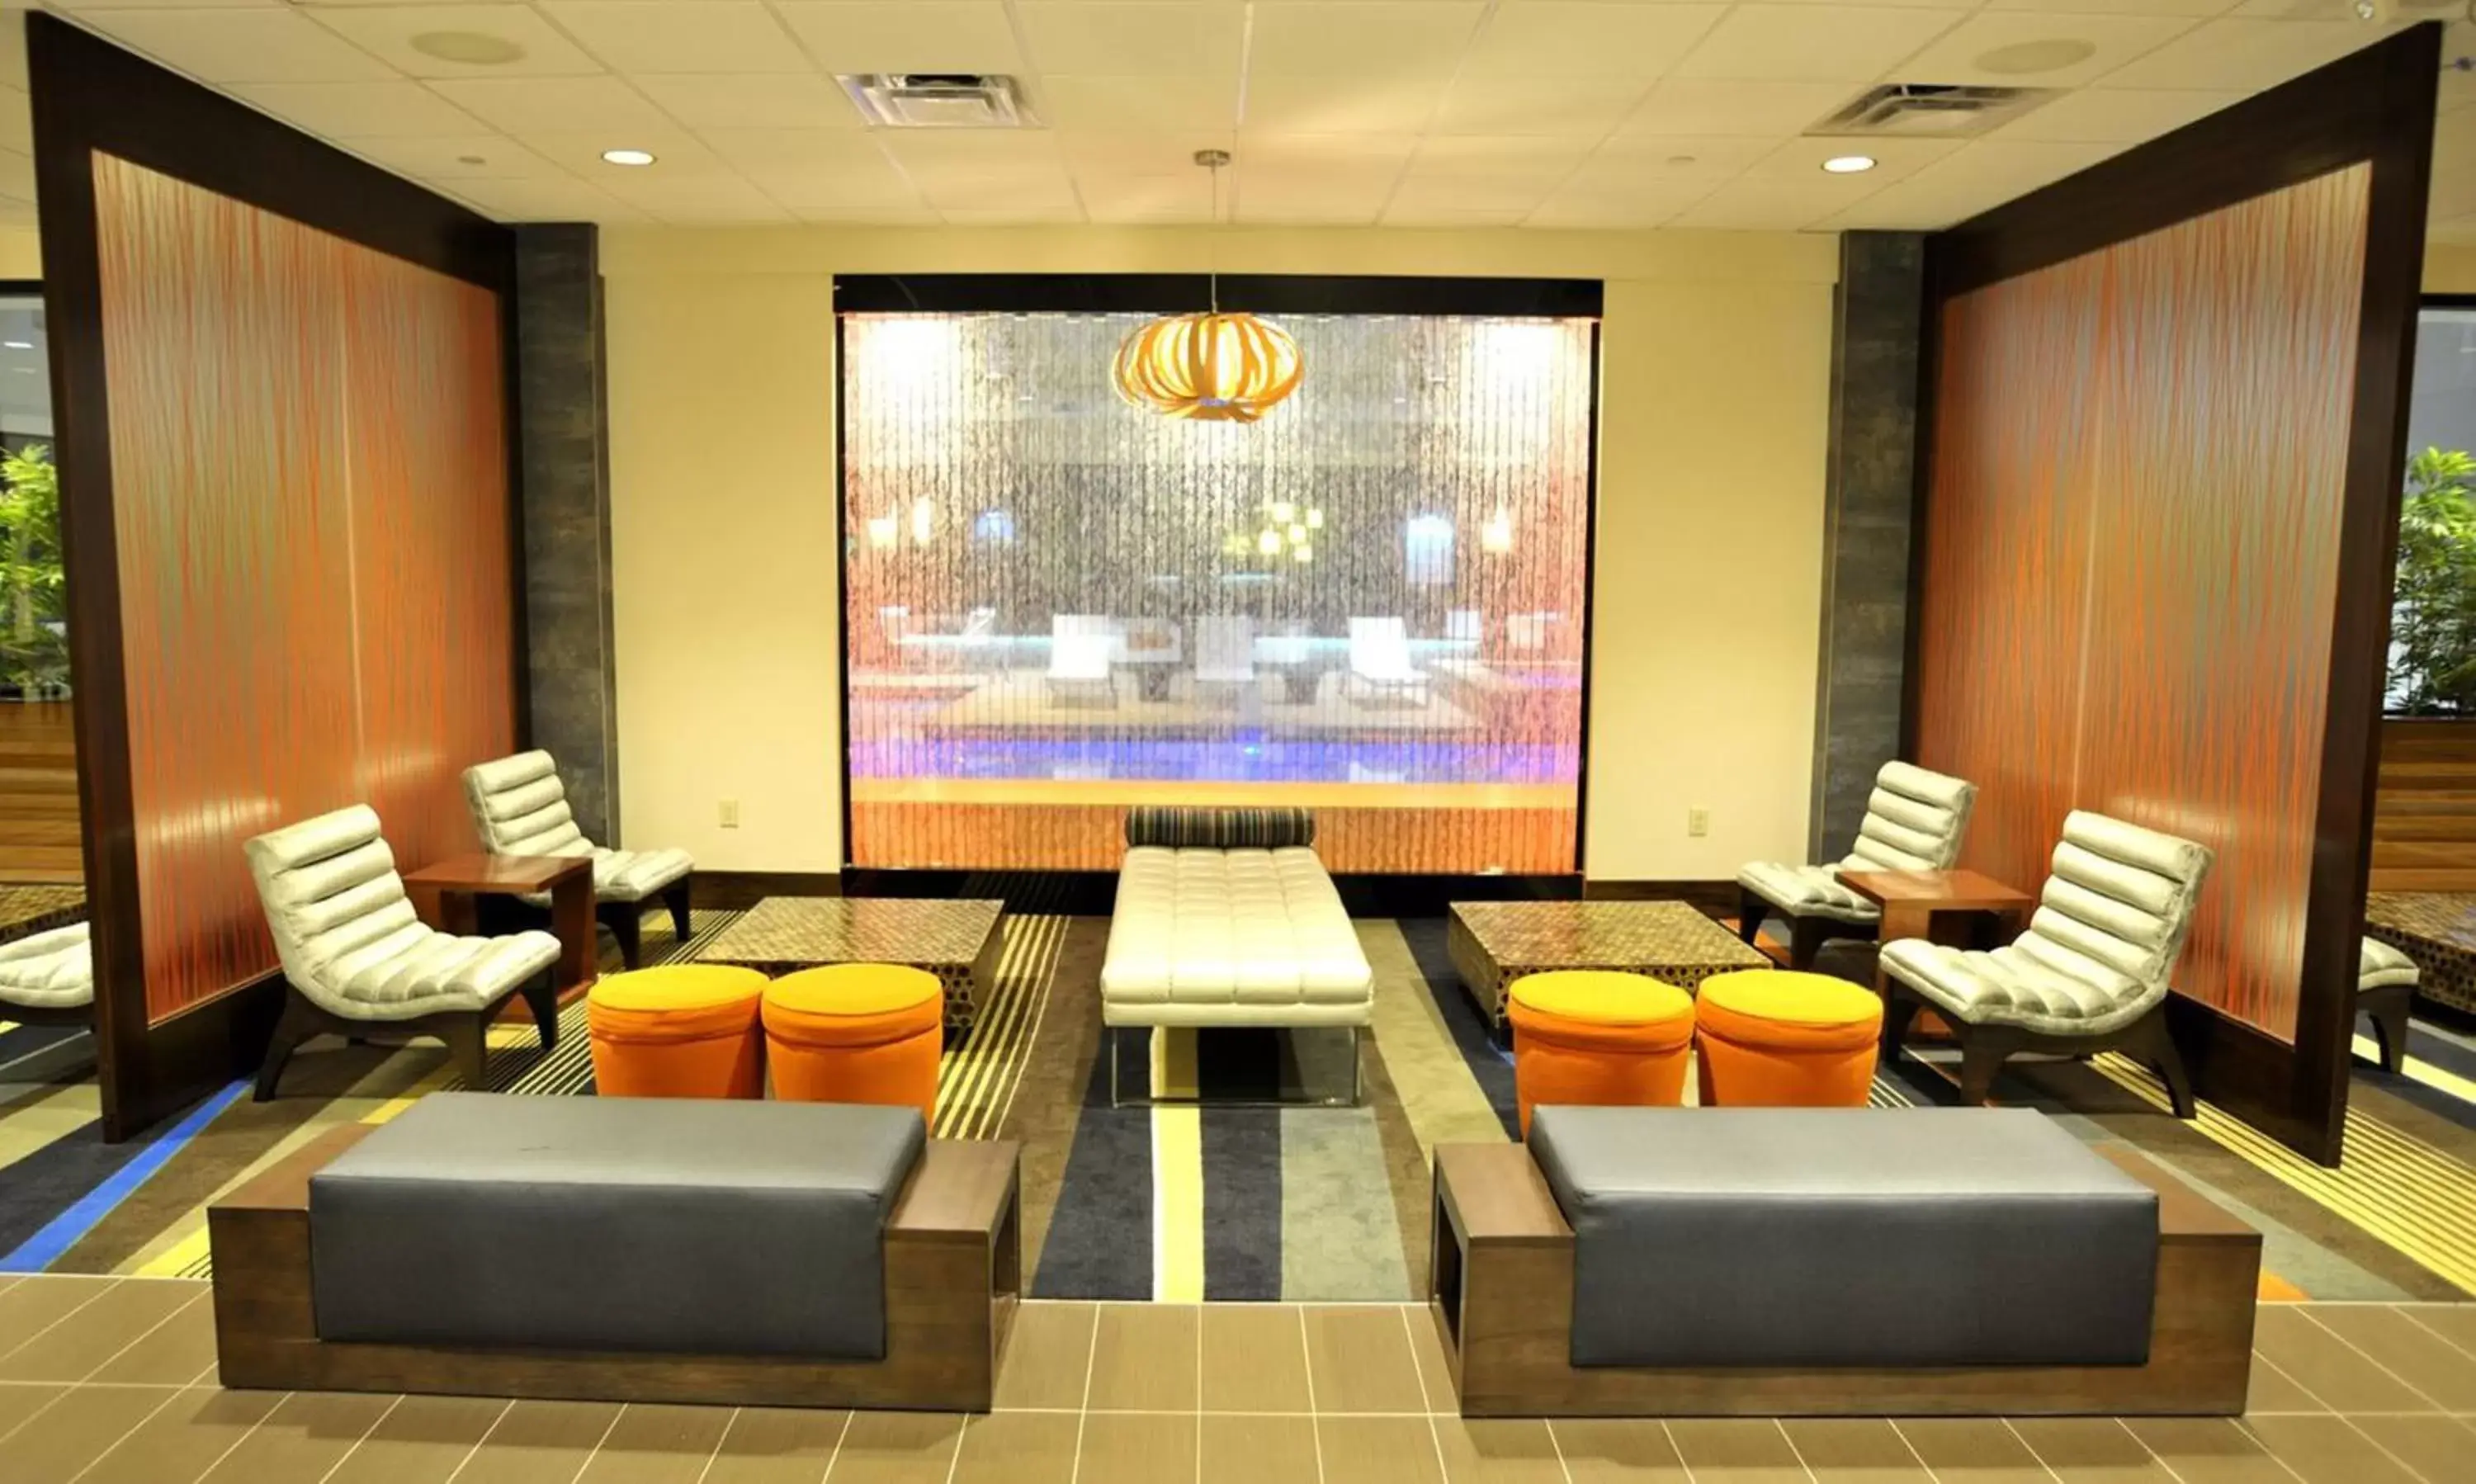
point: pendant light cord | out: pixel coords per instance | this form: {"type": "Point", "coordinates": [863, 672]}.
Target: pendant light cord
{"type": "Point", "coordinates": [1212, 248]}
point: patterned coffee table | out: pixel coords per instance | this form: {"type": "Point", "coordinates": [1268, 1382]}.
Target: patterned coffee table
{"type": "Point", "coordinates": [957, 941]}
{"type": "Point", "coordinates": [27, 911]}
{"type": "Point", "coordinates": [2438, 929]}
{"type": "Point", "coordinates": [1494, 943]}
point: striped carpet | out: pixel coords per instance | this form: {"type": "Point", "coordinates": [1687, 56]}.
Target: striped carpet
{"type": "Point", "coordinates": [1238, 1202]}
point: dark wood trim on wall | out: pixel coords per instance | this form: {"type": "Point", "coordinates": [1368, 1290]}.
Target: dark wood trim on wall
{"type": "Point", "coordinates": [89, 96]}
{"type": "Point", "coordinates": [2374, 107]}
{"type": "Point", "coordinates": [1178, 293]}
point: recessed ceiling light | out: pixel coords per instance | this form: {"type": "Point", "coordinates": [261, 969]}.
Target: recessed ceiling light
{"type": "Point", "coordinates": [628, 157]}
{"type": "Point", "coordinates": [1848, 164]}
{"type": "Point", "coordinates": [2022, 58]}
{"type": "Point", "coordinates": [473, 48]}
{"type": "Point", "coordinates": [18, 345]}
{"type": "Point", "coordinates": [1679, 161]}
{"type": "Point", "coordinates": [471, 159]}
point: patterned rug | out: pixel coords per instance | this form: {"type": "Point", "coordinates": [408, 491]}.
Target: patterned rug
{"type": "Point", "coordinates": [1233, 1201]}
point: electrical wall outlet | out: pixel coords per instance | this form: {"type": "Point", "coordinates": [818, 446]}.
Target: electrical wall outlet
{"type": "Point", "coordinates": [731, 814]}
{"type": "Point", "coordinates": [1697, 822]}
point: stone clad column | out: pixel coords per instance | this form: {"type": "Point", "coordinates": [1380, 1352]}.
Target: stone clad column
{"type": "Point", "coordinates": [570, 678]}
{"type": "Point", "coordinates": [1877, 332]}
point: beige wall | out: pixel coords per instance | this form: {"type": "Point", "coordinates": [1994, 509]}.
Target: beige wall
{"type": "Point", "coordinates": [1716, 352]}
{"type": "Point", "coordinates": [2450, 268]}
{"type": "Point", "coordinates": [21, 253]}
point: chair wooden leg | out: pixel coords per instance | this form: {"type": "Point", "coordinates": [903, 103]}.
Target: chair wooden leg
{"type": "Point", "coordinates": [1900, 1008]}
{"type": "Point", "coordinates": [541, 997]}
{"type": "Point", "coordinates": [2389, 1012]}
{"type": "Point", "coordinates": [2152, 1043]}
{"type": "Point", "coordinates": [676, 898]}
{"type": "Point", "coordinates": [296, 1025]}
{"type": "Point", "coordinates": [1806, 939]}
{"type": "Point", "coordinates": [1982, 1055]}
{"type": "Point", "coordinates": [625, 920]}
{"type": "Point", "coordinates": [1750, 911]}
{"type": "Point", "coordinates": [469, 1045]}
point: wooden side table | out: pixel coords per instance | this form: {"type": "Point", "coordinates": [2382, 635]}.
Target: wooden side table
{"type": "Point", "coordinates": [1955, 908]}
{"type": "Point", "coordinates": [442, 893]}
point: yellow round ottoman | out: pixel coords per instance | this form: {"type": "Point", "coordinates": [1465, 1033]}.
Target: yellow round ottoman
{"type": "Point", "coordinates": [856, 1034]}
{"type": "Point", "coordinates": [680, 1030]}
{"type": "Point", "coordinates": [1593, 1036]}
{"type": "Point", "coordinates": [1777, 1038]}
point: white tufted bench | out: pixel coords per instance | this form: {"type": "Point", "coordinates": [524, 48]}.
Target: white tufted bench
{"type": "Point", "coordinates": [1245, 932]}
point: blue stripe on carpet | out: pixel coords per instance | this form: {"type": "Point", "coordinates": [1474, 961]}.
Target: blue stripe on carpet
{"type": "Point", "coordinates": [115, 1170]}
{"type": "Point", "coordinates": [1489, 1059]}
{"type": "Point", "coordinates": [1100, 1243]}
{"type": "Point", "coordinates": [1242, 1204]}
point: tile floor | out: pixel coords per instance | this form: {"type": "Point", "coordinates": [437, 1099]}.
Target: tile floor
{"type": "Point", "coordinates": [112, 1381]}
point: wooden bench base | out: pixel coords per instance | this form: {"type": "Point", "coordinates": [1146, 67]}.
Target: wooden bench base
{"type": "Point", "coordinates": [1501, 1294]}
{"type": "Point", "coordinates": [952, 1277]}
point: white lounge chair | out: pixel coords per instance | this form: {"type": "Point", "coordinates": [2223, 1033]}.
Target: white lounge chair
{"type": "Point", "coordinates": [520, 808]}
{"type": "Point", "coordinates": [1081, 650]}
{"type": "Point", "coordinates": [2089, 975]}
{"type": "Point", "coordinates": [2386, 981]}
{"type": "Point", "coordinates": [47, 979]}
{"type": "Point", "coordinates": [1380, 671]}
{"type": "Point", "coordinates": [358, 959]}
{"type": "Point", "coordinates": [1915, 820]}
{"type": "Point", "coordinates": [1224, 655]}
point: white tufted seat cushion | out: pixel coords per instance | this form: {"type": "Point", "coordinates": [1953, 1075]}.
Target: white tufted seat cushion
{"type": "Point", "coordinates": [49, 970]}
{"type": "Point", "coordinates": [2377, 965]}
{"type": "Point", "coordinates": [2108, 930]}
{"type": "Point", "coordinates": [520, 807]}
{"type": "Point", "coordinates": [347, 936]}
{"type": "Point", "coordinates": [1915, 820]}
{"type": "Point", "coordinates": [1231, 937]}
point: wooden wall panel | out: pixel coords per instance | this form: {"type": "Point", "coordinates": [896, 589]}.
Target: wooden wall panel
{"type": "Point", "coordinates": [2424, 816]}
{"type": "Point", "coordinates": [38, 801]}
{"type": "Point", "coordinates": [309, 468]}
{"type": "Point", "coordinates": [2132, 557]}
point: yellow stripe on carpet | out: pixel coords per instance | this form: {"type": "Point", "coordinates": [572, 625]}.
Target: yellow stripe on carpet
{"type": "Point", "coordinates": [2425, 1071]}
{"type": "Point", "coordinates": [1178, 1205]}
{"type": "Point", "coordinates": [976, 1080]}
{"type": "Point", "coordinates": [2394, 1185]}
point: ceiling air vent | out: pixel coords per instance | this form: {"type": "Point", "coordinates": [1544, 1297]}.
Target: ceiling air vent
{"type": "Point", "coordinates": [1939, 110]}
{"type": "Point", "coordinates": [939, 100]}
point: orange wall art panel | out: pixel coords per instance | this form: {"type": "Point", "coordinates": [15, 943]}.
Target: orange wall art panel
{"type": "Point", "coordinates": [2131, 559]}
{"type": "Point", "coordinates": [309, 450]}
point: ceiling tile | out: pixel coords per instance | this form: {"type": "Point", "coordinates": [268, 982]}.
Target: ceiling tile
{"type": "Point", "coordinates": [1982, 173]}
{"type": "Point", "coordinates": [75, 6]}
{"type": "Point", "coordinates": [1311, 105]}
{"type": "Point", "coordinates": [17, 174]}
{"type": "Point", "coordinates": [1187, 39]}
{"type": "Point", "coordinates": [1421, 39]}
{"type": "Point", "coordinates": [914, 36]}
{"type": "Point", "coordinates": [648, 37]}
{"type": "Point", "coordinates": [1144, 198]}
{"type": "Point", "coordinates": [978, 162]}
{"type": "Point", "coordinates": [1585, 105]}
{"type": "Point", "coordinates": [757, 100]}
{"type": "Point", "coordinates": [1056, 214]}
{"type": "Point", "coordinates": [1140, 152]}
{"type": "Point", "coordinates": [1695, 104]}
{"type": "Point", "coordinates": [551, 105]}
{"type": "Point", "coordinates": [1496, 159]}
{"type": "Point", "coordinates": [1131, 102]}
{"type": "Point", "coordinates": [545, 201]}
{"type": "Point", "coordinates": [1430, 199]}
{"type": "Point", "coordinates": [2453, 166]}
{"type": "Point", "coordinates": [1000, 190]}
{"type": "Point", "coordinates": [2095, 114]}
{"type": "Point", "coordinates": [1993, 48]}
{"type": "Point", "coordinates": [359, 110]}
{"type": "Point", "coordinates": [1288, 203]}
{"type": "Point", "coordinates": [1581, 205]}
{"type": "Point", "coordinates": [1641, 160]}
{"type": "Point", "coordinates": [1770, 206]}
{"type": "Point", "coordinates": [698, 200]}
{"type": "Point", "coordinates": [1316, 151]}
{"type": "Point", "coordinates": [13, 54]}
{"type": "Point", "coordinates": [755, 152]}
{"type": "Point", "coordinates": [1553, 39]}
{"type": "Point", "coordinates": [463, 157]}
{"type": "Point", "coordinates": [17, 120]}
{"type": "Point", "coordinates": [242, 46]}
{"type": "Point", "coordinates": [2194, 8]}
{"type": "Point", "coordinates": [1412, 212]}
{"type": "Point", "coordinates": [2248, 55]}
{"type": "Point", "coordinates": [1812, 44]}
{"type": "Point", "coordinates": [390, 34]}
{"type": "Point", "coordinates": [881, 198]}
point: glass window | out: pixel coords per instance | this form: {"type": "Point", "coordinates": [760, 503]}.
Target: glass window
{"type": "Point", "coordinates": [2433, 620]}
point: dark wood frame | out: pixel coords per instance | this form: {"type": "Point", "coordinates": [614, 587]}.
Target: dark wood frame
{"type": "Point", "coordinates": [954, 1274]}
{"type": "Point", "coordinates": [2374, 107]}
{"type": "Point", "coordinates": [1177, 294]}
{"type": "Point", "coordinates": [465, 1032]}
{"type": "Point", "coordinates": [1500, 1291]}
{"type": "Point", "coordinates": [91, 96]}
{"type": "Point", "coordinates": [1984, 1049]}
{"type": "Point", "coordinates": [2389, 1007]}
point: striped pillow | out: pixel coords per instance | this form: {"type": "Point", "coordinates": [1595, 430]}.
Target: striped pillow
{"type": "Point", "coordinates": [1218, 828]}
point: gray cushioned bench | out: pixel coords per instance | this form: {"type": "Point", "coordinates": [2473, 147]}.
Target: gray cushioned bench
{"type": "Point", "coordinates": [1806, 1237]}
{"type": "Point", "coordinates": [685, 1225]}
{"type": "Point", "coordinates": [1832, 1262]}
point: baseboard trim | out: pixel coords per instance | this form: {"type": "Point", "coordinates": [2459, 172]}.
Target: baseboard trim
{"type": "Point", "coordinates": [1093, 893]}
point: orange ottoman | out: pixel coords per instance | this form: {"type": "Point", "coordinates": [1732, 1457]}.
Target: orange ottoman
{"type": "Point", "coordinates": [1779, 1039]}
{"type": "Point", "coordinates": [1594, 1036]}
{"type": "Point", "coordinates": [681, 1031]}
{"type": "Point", "coordinates": [856, 1034]}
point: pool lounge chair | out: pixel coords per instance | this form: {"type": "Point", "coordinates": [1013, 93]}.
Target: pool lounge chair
{"type": "Point", "coordinates": [1080, 648]}
{"type": "Point", "coordinates": [1380, 671]}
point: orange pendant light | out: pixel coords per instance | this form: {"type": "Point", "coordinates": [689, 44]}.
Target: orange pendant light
{"type": "Point", "coordinates": [1209, 367]}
